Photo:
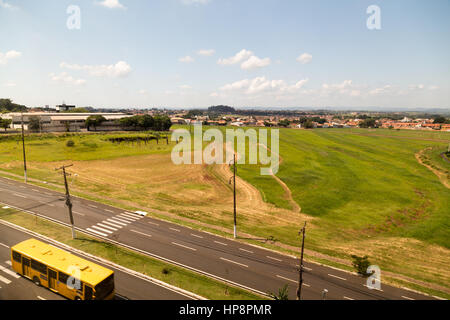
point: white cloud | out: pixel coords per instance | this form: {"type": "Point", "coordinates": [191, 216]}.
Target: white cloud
{"type": "Point", "coordinates": [64, 77]}
{"type": "Point", "coordinates": [7, 5]}
{"type": "Point", "coordinates": [143, 92]}
{"type": "Point", "coordinates": [263, 85]}
{"type": "Point", "coordinates": [5, 57]}
{"type": "Point", "coordinates": [254, 62]}
{"type": "Point", "coordinates": [433, 88]}
{"type": "Point", "coordinates": [304, 58]}
{"type": "Point", "coordinates": [120, 69]}
{"type": "Point", "coordinates": [195, 2]}
{"type": "Point", "coordinates": [185, 87]}
{"type": "Point", "coordinates": [111, 4]}
{"type": "Point", "coordinates": [206, 53]}
{"type": "Point", "coordinates": [417, 87]}
{"type": "Point", "coordinates": [187, 59]}
{"type": "Point", "coordinates": [10, 84]}
{"type": "Point", "coordinates": [237, 58]}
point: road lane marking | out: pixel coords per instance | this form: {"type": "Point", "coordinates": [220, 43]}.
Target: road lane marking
{"type": "Point", "coordinates": [281, 277]}
{"type": "Point", "coordinates": [107, 210]}
{"type": "Point", "coordinates": [132, 216]}
{"type": "Point", "coordinates": [245, 250]}
{"type": "Point", "coordinates": [372, 288]}
{"type": "Point", "coordinates": [39, 297]}
{"type": "Point", "coordinates": [4, 245]}
{"type": "Point", "coordinates": [49, 194]}
{"type": "Point", "coordinates": [121, 220]}
{"type": "Point", "coordinates": [180, 245]}
{"type": "Point", "coordinates": [348, 298]}
{"type": "Point", "coordinates": [107, 227]}
{"type": "Point", "coordinates": [197, 236]}
{"type": "Point", "coordinates": [244, 265]}
{"type": "Point", "coordinates": [11, 273]}
{"type": "Point", "coordinates": [221, 243]}
{"type": "Point", "coordinates": [276, 259]}
{"type": "Point", "coordinates": [177, 230]}
{"type": "Point", "coordinates": [155, 224]}
{"type": "Point", "coordinates": [92, 206]}
{"type": "Point", "coordinates": [18, 195]}
{"type": "Point", "coordinates": [305, 268]}
{"type": "Point", "coordinates": [35, 190]}
{"type": "Point", "coordinates": [97, 232]}
{"type": "Point", "coordinates": [125, 218]}
{"type": "Point", "coordinates": [8, 263]}
{"type": "Point", "coordinates": [144, 234]}
{"type": "Point", "coordinates": [408, 298]}
{"type": "Point", "coordinates": [119, 223]}
{"type": "Point", "coordinates": [81, 214]}
{"type": "Point", "coordinates": [102, 229]}
{"type": "Point", "coordinates": [4, 280]}
{"type": "Point", "coordinates": [332, 275]}
{"type": "Point", "coordinates": [114, 225]}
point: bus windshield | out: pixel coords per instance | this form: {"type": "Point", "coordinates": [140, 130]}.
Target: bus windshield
{"type": "Point", "coordinates": [104, 288]}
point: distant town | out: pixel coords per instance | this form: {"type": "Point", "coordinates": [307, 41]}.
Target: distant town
{"type": "Point", "coordinates": [70, 118]}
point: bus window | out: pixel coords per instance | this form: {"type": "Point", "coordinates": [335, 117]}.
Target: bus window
{"type": "Point", "coordinates": [39, 267]}
{"type": "Point", "coordinates": [17, 257]}
{"type": "Point", "coordinates": [104, 288]}
{"type": "Point", "coordinates": [87, 293]}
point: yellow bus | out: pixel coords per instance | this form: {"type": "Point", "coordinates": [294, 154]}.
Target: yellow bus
{"type": "Point", "coordinates": [62, 272]}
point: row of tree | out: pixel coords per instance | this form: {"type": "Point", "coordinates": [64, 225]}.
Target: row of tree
{"type": "Point", "coordinates": [6, 105]}
{"type": "Point", "coordinates": [144, 122]}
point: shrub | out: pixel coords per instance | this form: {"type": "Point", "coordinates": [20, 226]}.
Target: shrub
{"type": "Point", "coordinates": [361, 264]}
{"type": "Point", "coordinates": [70, 143]}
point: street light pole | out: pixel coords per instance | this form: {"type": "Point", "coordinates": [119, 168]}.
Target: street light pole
{"type": "Point", "coordinates": [24, 155]}
{"type": "Point", "coordinates": [234, 195]}
{"type": "Point", "coordinates": [300, 273]}
{"type": "Point", "coordinates": [68, 201]}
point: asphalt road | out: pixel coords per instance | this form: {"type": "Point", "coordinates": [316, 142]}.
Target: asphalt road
{"type": "Point", "coordinates": [16, 287]}
{"type": "Point", "coordinates": [248, 266]}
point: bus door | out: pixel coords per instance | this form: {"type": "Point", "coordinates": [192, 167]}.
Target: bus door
{"type": "Point", "coordinates": [87, 292]}
{"type": "Point", "coordinates": [52, 279]}
{"type": "Point", "coordinates": [26, 267]}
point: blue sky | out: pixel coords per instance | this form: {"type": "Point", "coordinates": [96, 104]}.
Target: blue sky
{"type": "Point", "coordinates": [197, 53]}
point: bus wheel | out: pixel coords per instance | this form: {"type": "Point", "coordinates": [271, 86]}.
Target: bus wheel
{"type": "Point", "coordinates": [77, 299]}
{"type": "Point", "coordinates": [37, 281]}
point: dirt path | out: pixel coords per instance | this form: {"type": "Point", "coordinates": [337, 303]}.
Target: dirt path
{"type": "Point", "coordinates": [442, 177]}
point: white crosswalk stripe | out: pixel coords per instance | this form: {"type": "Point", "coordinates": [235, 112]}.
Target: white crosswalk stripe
{"type": "Point", "coordinates": [126, 218]}
{"type": "Point", "coordinates": [133, 216]}
{"type": "Point", "coordinates": [112, 224]}
{"type": "Point", "coordinates": [4, 280]}
{"type": "Point", "coordinates": [107, 227]}
{"type": "Point", "coordinates": [7, 271]}
{"type": "Point", "coordinates": [117, 222]}
{"type": "Point", "coordinates": [97, 232]}
{"type": "Point", "coordinates": [121, 220]}
{"type": "Point", "coordinates": [101, 229]}
{"type": "Point", "coordinates": [8, 263]}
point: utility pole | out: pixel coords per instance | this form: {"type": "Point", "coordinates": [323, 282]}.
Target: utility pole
{"type": "Point", "coordinates": [234, 195]}
{"type": "Point", "coordinates": [24, 156]}
{"type": "Point", "coordinates": [300, 270]}
{"type": "Point", "coordinates": [68, 201]}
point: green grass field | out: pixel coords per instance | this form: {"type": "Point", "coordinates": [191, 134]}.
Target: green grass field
{"type": "Point", "coordinates": [363, 191]}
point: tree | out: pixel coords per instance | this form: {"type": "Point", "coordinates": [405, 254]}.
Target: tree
{"type": "Point", "coordinates": [77, 110]}
{"type": "Point", "coordinates": [146, 122]}
{"type": "Point", "coordinates": [162, 123]}
{"type": "Point", "coordinates": [5, 123]}
{"type": "Point", "coordinates": [368, 123]}
{"type": "Point", "coordinates": [6, 105]}
{"type": "Point", "coordinates": [283, 294]}
{"type": "Point", "coordinates": [440, 119]}
{"type": "Point", "coordinates": [284, 123]}
{"type": "Point", "coordinates": [309, 125]}
{"type": "Point", "coordinates": [361, 264]}
{"type": "Point", "coordinates": [94, 121]}
{"type": "Point", "coordinates": [34, 123]}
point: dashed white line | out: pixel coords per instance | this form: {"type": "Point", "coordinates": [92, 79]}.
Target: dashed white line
{"type": "Point", "coordinates": [80, 214]}
{"type": "Point", "coordinates": [221, 243]}
{"type": "Point", "coordinates": [245, 250]}
{"type": "Point", "coordinates": [305, 268]}
{"type": "Point", "coordinates": [296, 282]}
{"type": "Point", "coordinates": [4, 280]}
{"type": "Point", "coordinates": [177, 230]}
{"type": "Point", "coordinates": [35, 190]}
{"type": "Point", "coordinates": [97, 232]}
{"type": "Point", "coordinates": [107, 227]}
{"type": "Point", "coordinates": [241, 264]}
{"type": "Point", "coordinates": [112, 224]}
{"type": "Point", "coordinates": [39, 297]}
{"type": "Point", "coordinates": [332, 275]}
{"type": "Point", "coordinates": [102, 229]}
{"type": "Point", "coordinates": [186, 247]}
{"type": "Point", "coordinates": [4, 245]}
{"type": "Point", "coordinates": [276, 259]}
{"type": "Point", "coordinates": [196, 235]}
{"type": "Point", "coordinates": [11, 273]}
{"type": "Point", "coordinates": [348, 298]}
{"type": "Point", "coordinates": [407, 298]}
{"type": "Point", "coordinates": [92, 206]}
{"type": "Point", "coordinates": [18, 195]}
{"type": "Point", "coordinates": [141, 233]}
{"type": "Point", "coordinates": [107, 210]}
{"type": "Point", "coordinates": [155, 224]}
